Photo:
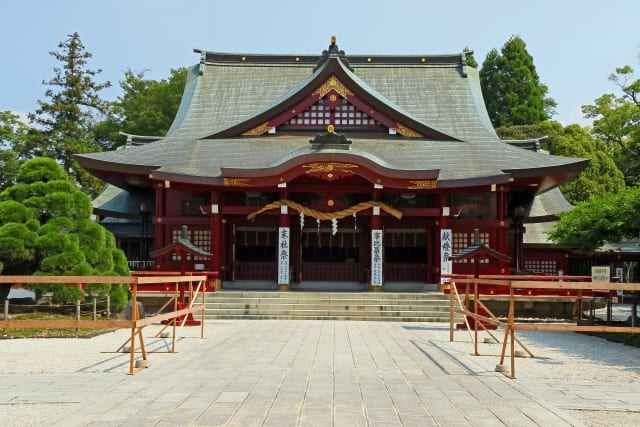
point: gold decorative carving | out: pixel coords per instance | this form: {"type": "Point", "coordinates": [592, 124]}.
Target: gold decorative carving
{"type": "Point", "coordinates": [237, 182]}
{"type": "Point", "coordinates": [330, 167]}
{"type": "Point", "coordinates": [428, 184]}
{"type": "Point", "coordinates": [258, 130]}
{"type": "Point", "coordinates": [333, 83]}
{"type": "Point", "coordinates": [405, 131]}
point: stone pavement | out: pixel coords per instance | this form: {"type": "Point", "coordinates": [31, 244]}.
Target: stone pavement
{"type": "Point", "coordinates": [305, 373]}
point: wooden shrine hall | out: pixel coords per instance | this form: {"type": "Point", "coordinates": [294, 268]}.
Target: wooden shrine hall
{"type": "Point", "coordinates": [366, 171]}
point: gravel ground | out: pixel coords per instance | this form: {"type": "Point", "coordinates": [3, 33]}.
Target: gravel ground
{"type": "Point", "coordinates": [559, 357]}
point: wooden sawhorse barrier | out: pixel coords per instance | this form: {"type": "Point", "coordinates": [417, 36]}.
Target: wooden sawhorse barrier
{"type": "Point", "coordinates": [518, 288]}
{"type": "Point", "coordinates": [135, 323]}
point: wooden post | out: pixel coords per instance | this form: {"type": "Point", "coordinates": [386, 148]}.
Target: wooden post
{"type": "Point", "coordinates": [95, 306]}
{"type": "Point", "coordinates": [134, 317]}
{"type": "Point", "coordinates": [6, 314]}
{"type": "Point", "coordinates": [77, 316]}
{"type": "Point", "coordinates": [175, 320]}
{"type": "Point", "coordinates": [476, 321]}
{"type": "Point", "coordinates": [511, 321]}
{"type": "Point", "coordinates": [452, 286]}
{"type": "Point", "coordinates": [204, 288]}
{"type": "Point", "coordinates": [108, 306]}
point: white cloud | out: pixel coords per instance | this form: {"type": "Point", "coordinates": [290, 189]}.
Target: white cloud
{"type": "Point", "coordinates": [576, 117]}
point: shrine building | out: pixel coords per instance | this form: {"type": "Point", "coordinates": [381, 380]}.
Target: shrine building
{"type": "Point", "coordinates": [362, 171]}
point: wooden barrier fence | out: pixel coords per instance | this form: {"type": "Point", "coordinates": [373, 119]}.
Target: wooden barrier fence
{"type": "Point", "coordinates": [519, 288]}
{"type": "Point", "coordinates": [135, 323]}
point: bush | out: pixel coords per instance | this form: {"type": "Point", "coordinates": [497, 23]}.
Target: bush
{"type": "Point", "coordinates": [46, 229]}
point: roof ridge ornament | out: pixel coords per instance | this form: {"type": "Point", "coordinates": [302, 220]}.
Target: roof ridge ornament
{"type": "Point", "coordinates": [330, 140]}
{"type": "Point", "coordinates": [333, 51]}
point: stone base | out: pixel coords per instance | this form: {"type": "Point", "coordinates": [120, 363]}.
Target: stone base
{"type": "Point", "coordinates": [283, 287]}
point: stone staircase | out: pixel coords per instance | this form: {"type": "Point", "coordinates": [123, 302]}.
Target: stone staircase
{"type": "Point", "coordinates": [370, 306]}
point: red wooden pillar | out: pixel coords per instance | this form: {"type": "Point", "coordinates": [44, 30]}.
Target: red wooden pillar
{"type": "Point", "coordinates": [501, 216]}
{"type": "Point", "coordinates": [377, 247]}
{"type": "Point", "coordinates": [161, 211]}
{"type": "Point", "coordinates": [216, 237]}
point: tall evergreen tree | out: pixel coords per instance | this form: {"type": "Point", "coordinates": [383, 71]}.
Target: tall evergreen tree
{"type": "Point", "coordinates": [511, 87]}
{"type": "Point", "coordinates": [65, 118]}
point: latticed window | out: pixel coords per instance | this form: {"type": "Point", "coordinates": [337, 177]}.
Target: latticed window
{"type": "Point", "coordinates": [200, 238]}
{"type": "Point", "coordinates": [546, 266]}
{"type": "Point", "coordinates": [344, 115]}
{"type": "Point", "coordinates": [462, 241]}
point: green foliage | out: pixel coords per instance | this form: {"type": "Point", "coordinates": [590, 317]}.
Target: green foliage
{"type": "Point", "coordinates": [40, 170]}
{"type": "Point", "coordinates": [617, 123]}
{"type": "Point", "coordinates": [17, 244]}
{"type": "Point", "coordinates": [119, 296]}
{"type": "Point", "coordinates": [9, 165]}
{"type": "Point", "coordinates": [53, 243]}
{"type": "Point", "coordinates": [601, 175]}
{"type": "Point", "coordinates": [599, 178]}
{"type": "Point", "coordinates": [12, 131]}
{"type": "Point", "coordinates": [62, 263]}
{"type": "Point", "coordinates": [511, 87]}
{"type": "Point", "coordinates": [147, 107]}
{"type": "Point", "coordinates": [46, 230]}
{"type": "Point", "coordinates": [612, 217]}
{"type": "Point", "coordinates": [11, 211]}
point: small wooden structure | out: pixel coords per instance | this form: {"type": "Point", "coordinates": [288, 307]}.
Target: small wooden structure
{"type": "Point", "coordinates": [485, 260]}
{"type": "Point", "coordinates": [181, 249]}
{"type": "Point", "coordinates": [518, 287]}
{"type": "Point", "coordinates": [135, 323]}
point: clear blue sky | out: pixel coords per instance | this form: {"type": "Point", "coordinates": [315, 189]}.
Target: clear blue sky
{"type": "Point", "coordinates": [575, 44]}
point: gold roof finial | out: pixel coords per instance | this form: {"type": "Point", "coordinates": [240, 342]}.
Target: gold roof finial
{"type": "Point", "coordinates": [330, 128]}
{"type": "Point", "coordinates": [333, 39]}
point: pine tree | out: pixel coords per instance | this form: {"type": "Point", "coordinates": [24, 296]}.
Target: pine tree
{"type": "Point", "coordinates": [511, 87]}
{"type": "Point", "coordinates": [65, 119]}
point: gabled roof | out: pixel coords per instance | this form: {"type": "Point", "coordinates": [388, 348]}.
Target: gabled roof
{"type": "Point", "coordinates": [180, 246]}
{"type": "Point", "coordinates": [480, 250]}
{"type": "Point", "coordinates": [333, 75]}
{"type": "Point", "coordinates": [438, 91]}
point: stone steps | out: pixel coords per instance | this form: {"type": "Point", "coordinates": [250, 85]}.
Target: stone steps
{"type": "Point", "coordinates": [368, 306]}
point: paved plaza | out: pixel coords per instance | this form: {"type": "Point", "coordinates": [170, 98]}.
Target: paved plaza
{"type": "Point", "coordinates": [294, 373]}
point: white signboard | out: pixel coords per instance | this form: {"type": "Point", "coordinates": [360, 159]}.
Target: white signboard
{"type": "Point", "coordinates": [600, 274]}
{"type": "Point", "coordinates": [445, 252]}
{"type": "Point", "coordinates": [283, 256]}
{"type": "Point", "coordinates": [376, 257]}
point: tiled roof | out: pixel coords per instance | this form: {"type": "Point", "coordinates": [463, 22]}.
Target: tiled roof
{"type": "Point", "coordinates": [439, 92]}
